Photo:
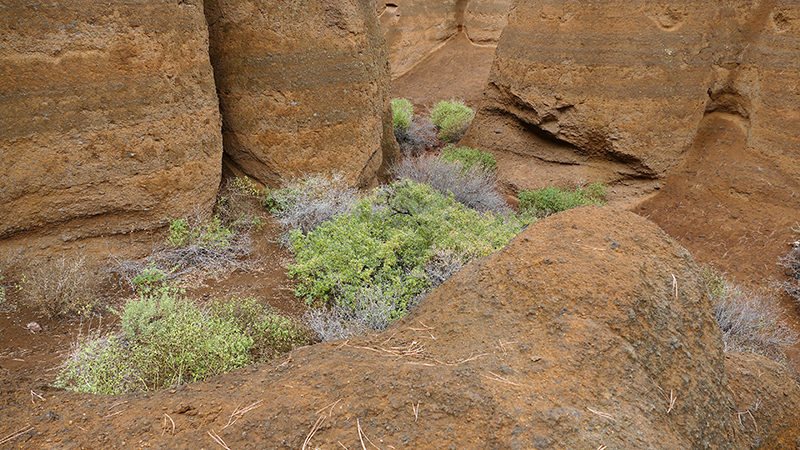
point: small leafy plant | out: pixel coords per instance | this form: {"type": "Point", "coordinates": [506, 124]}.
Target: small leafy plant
{"type": "Point", "coordinates": [469, 157]}
{"type": "Point", "coordinates": [62, 286]}
{"type": "Point", "coordinates": [453, 118]}
{"type": "Point", "coordinates": [402, 113]}
{"type": "Point", "coordinates": [550, 200]}
{"type": "Point", "coordinates": [167, 339]}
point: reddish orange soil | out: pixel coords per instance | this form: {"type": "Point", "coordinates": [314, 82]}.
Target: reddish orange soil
{"type": "Point", "coordinates": [707, 205]}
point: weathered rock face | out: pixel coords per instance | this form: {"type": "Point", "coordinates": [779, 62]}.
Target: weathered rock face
{"type": "Point", "coordinates": [617, 90]}
{"type": "Point", "coordinates": [414, 28]}
{"type": "Point", "coordinates": [590, 329]}
{"type": "Point", "coordinates": [485, 20]}
{"type": "Point", "coordinates": [110, 119]}
{"type": "Point", "coordinates": [303, 87]}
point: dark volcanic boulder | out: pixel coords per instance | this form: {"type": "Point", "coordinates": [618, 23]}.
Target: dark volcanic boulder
{"type": "Point", "coordinates": [110, 122]}
{"type": "Point", "coordinates": [303, 87]}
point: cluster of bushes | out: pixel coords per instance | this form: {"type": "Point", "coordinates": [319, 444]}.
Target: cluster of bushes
{"type": "Point", "coordinates": [550, 200]}
{"type": "Point", "coordinates": [448, 121]}
{"type": "Point", "coordinates": [167, 339]}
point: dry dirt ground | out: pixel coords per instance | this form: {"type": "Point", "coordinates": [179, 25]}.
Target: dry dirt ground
{"type": "Point", "coordinates": [742, 239]}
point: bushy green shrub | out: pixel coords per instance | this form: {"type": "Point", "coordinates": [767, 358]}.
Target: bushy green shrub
{"type": "Point", "coordinates": [402, 113]}
{"type": "Point", "coordinates": [166, 339]}
{"type": "Point", "coordinates": [470, 157]}
{"type": "Point", "coordinates": [387, 240]}
{"type": "Point", "coordinates": [550, 200]}
{"type": "Point", "coordinates": [453, 119]}
{"type": "Point", "coordinates": [750, 321]}
{"type": "Point", "coordinates": [210, 233]}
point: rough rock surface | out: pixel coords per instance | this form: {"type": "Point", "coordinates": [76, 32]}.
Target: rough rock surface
{"type": "Point", "coordinates": [110, 121]}
{"type": "Point", "coordinates": [303, 87]}
{"type": "Point", "coordinates": [415, 28]}
{"type": "Point", "coordinates": [590, 329]}
{"type": "Point", "coordinates": [617, 90]}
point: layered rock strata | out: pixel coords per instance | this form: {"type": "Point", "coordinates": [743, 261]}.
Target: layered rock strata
{"type": "Point", "coordinates": [303, 87]}
{"type": "Point", "coordinates": [617, 90]}
{"type": "Point", "coordinates": [110, 119]}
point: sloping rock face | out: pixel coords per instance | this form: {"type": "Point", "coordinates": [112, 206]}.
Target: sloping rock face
{"type": "Point", "coordinates": [591, 329]}
{"type": "Point", "coordinates": [110, 119]}
{"type": "Point", "coordinates": [415, 28]}
{"type": "Point", "coordinates": [303, 87]}
{"type": "Point", "coordinates": [617, 90]}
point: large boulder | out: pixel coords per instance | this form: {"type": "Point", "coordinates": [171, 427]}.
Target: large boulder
{"type": "Point", "coordinates": [590, 330]}
{"type": "Point", "coordinates": [110, 122]}
{"type": "Point", "coordinates": [617, 90]}
{"type": "Point", "coordinates": [303, 87]}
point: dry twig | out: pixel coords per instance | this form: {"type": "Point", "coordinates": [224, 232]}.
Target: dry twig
{"type": "Point", "coordinates": [361, 433]}
{"type": "Point", "coordinates": [331, 405]}
{"type": "Point", "coordinates": [164, 427]}
{"type": "Point", "coordinates": [218, 439]}
{"type": "Point", "coordinates": [237, 413]}
{"type": "Point", "coordinates": [602, 414]}
{"type": "Point", "coordinates": [416, 410]}
{"type": "Point", "coordinates": [496, 377]}
{"type": "Point", "coordinates": [16, 434]}
{"type": "Point", "coordinates": [314, 429]}
{"type": "Point", "coordinates": [37, 395]}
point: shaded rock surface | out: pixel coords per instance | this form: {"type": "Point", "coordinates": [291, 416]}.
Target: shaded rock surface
{"type": "Point", "coordinates": [415, 28]}
{"type": "Point", "coordinates": [110, 120]}
{"type": "Point", "coordinates": [615, 90]}
{"type": "Point", "coordinates": [590, 329]}
{"type": "Point", "coordinates": [303, 87]}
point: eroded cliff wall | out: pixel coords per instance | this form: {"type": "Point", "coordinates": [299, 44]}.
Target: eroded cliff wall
{"type": "Point", "coordinates": [617, 90]}
{"type": "Point", "coordinates": [110, 121]}
{"type": "Point", "coordinates": [303, 87]}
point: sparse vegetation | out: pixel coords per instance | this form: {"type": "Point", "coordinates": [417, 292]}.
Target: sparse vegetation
{"type": "Point", "coordinates": [419, 137]}
{"type": "Point", "coordinates": [402, 113]}
{"type": "Point", "coordinates": [470, 157]}
{"type": "Point", "coordinates": [452, 118]}
{"type": "Point", "coordinates": [473, 187]}
{"type": "Point", "coordinates": [550, 200]}
{"type": "Point", "coordinates": [750, 321]}
{"type": "Point", "coordinates": [166, 339]}
{"type": "Point", "coordinates": [791, 262]}
{"type": "Point", "coordinates": [62, 286]}
{"type": "Point", "coordinates": [382, 248]}
{"type": "Point", "coordinates": [307, 202]}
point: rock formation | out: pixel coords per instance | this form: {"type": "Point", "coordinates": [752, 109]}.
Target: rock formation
{"type": "Point", "coordinates": [414, 28]}
{"type": "Point", "coordinates": [591, 329]}
{"type": "Point", "coordinates": [110, 120]}
{"type": "Point", "coordinates": [303, 87]}
{"type": "Point", "coordinates": [610, 91]}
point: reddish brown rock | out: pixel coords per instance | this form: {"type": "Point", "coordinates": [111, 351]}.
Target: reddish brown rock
{"type": "Point", "coordinates": [303, 87]}
{"type": "Point", "coordinates": [615, 90]}
{"type": "Point", "coordinates": [591, 329]}
{"type": "Point", "coordinates": [110, 120]}
{"type": "Point", "coordinates": [415, 28]}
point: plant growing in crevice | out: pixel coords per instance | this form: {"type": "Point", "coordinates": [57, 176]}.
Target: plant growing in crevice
{"type": "Point", "coordinates": [550, 200]}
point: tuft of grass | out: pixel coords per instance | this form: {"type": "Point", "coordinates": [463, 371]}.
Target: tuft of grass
{"type": "Point", "coordinates": [453, 118]}
{"type": "Point", "coordinates": [750, 321]}
{"type": "Point", "coordinates": [473, 187]}
{"type": "Point", "coordinates": [791, 262]}
{"type": "Point", "coordinates": [167, 339]}
{"type": "Point", "coordinates": [387, 241]}
{"type": "Point", "coordinates": [307, 202]}
{"type": "Point", "coordinates": [550, 200]}
{"type": "Point", "coordinates": [62, 286]}
{"type": "Point", "coordinates": [402, 113]}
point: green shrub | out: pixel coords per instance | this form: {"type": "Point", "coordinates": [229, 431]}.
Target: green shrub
{"type": "Point", "coordinates": [211, 233]}
{"type": "Point", "coordinates": [550, 200]}
{"type": "Point", "coordinates": [402, 113]}
{"type": "Point", "coordinates": [387, 240]}
{"type": "Point", "coordinates": [453, 119]}
{"type": "Point", "coordinates": [166, 339]}
{"type": "Point", "coordinates": [469, 157]}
